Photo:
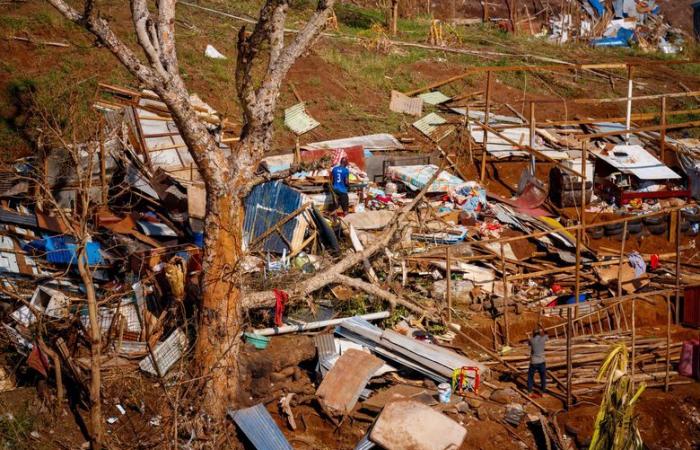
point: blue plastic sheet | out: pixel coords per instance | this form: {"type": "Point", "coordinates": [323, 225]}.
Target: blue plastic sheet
{"type": "Point", "coordinates": [62, 250]}
{"type": "Point", "coordinates": [598, 6]}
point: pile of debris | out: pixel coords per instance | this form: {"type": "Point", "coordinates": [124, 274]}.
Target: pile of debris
{"type": "Point", "coordinates": [462, 254]}
{"type": "Point", "coordinates": [619, 23]}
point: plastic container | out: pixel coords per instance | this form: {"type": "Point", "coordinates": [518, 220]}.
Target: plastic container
{"type": "Point", "coordinates": [444, 392]}
{"type": "Point", "coordinates": [256, 340]}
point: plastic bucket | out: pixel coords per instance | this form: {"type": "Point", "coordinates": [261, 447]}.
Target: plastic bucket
{"type": "Point", "coordinates": [444, 392]}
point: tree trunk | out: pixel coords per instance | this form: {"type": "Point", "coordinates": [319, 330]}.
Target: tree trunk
{"type": "Point", "coordinates": [95, 347]}
{"type": "Point", "coordinates": [220, 318]}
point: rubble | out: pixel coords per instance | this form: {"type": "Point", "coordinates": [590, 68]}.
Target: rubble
{"type": "Point", "coordinates": [428, 253]}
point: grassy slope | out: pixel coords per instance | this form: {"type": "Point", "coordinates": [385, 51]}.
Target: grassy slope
{"type": "Point", "coordinates": [344, 82]}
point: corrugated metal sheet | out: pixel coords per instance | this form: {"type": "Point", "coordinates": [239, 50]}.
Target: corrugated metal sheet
{"type": "Point", "coordinates": [365, 443]}
{"type": "Point", "coordinates": [433, 126]}
{"type": "Point", "coordinates": [479, 116]}
{"type": "Point", "coordinates": [433, 361]}
{"type": "Point", "coordinates": [298, 120]}
{"type": "Point", "coordinates": [498, 147]}
{"type": "Point", "coordinates": [371, 142]}
{"type": "Point", "coordinates": [325, 345]}
{"type": "Point", "coordinates": [257, 424]}
{"type": "Point", "coordinates": [28, 220]}
{"type": "Point", "coordinates": [402, 103]}
{"type": "Point", "coordinates": [166, 353]}
{"type": "Point", "coordinates": [635, 160]}
{"type": "Point", "coordinates": [265, 206]}
{"type": "Point", "coordinates": [434, 97]}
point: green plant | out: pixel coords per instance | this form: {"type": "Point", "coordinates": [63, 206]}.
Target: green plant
{"type": "Point", "coordinates": [615, 424]}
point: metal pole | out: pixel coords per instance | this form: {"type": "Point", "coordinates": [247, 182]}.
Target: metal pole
{"type": "Point", "coordinates": [448, 284]}
{"type": "Point", "coordinates": [486, 121]}
{"type": "Point", "coordinates": [628, 121]}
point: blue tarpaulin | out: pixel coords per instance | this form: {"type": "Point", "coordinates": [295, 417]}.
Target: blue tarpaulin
{"type": "Point", "coordinates": [598, 6]}
{"type": "Point", "coordinates": [621, 40]}
{"type": "Point", "coordinates": [62, 250]}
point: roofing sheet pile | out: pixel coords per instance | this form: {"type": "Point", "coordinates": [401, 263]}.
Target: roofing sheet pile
{"type": "Point", "coordinates": [145, 256]}
{"type": "Point", "coordinates": [618, 23]}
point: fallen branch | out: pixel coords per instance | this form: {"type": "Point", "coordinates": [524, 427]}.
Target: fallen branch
{"type": "Point", "coordinates": [32, 41]}
{"type": "Point", "coordinates": [383, 294]}
{"type": "Point", "coordinates": [266, 299]}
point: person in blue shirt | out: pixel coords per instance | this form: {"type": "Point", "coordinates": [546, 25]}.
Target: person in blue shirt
{"type": "Point", "coordinates": [339, 183]}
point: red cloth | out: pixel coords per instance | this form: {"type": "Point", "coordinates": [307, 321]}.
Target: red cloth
{"type": "Point", "coordinates": [654, 263]}
{"type": "Point", "coordinates": [38, 361]}
{"type": "Point", "coordinates": [281, 298]}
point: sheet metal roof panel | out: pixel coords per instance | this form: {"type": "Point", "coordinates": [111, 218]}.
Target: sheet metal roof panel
{"type": "Point", "coordinates": [298, 120]}
{"type": "Point", "coordinates": [257, 424]}
{"type": "Point", "coordinates": [434, 97]}
{"type": "Point", "coordinates": [433, 126]}
{"type": "Point", "coordinates": [266, 204]}
{"type": "Point", "coordinates": [498, 147]}
{"type": "Point", "coordinates": [635, 160]}
{"type": "Point", "coordinates": [371, 142]}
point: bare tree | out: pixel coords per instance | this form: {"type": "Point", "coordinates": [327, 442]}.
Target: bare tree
{"type": "Point", "coordinates": [76, 144]}
{"type": "Point", "coordinates": [227, 178]}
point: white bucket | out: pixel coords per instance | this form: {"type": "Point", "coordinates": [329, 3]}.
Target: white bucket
{"type": "Point", "coordinates": [444, 392]}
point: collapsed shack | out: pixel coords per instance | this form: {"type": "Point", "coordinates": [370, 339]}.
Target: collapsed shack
{"type": "Point", "coordinates": [457, 274]}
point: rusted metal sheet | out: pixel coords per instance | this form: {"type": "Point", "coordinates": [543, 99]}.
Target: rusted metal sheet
{"type": "Point", "coordinates": [410, 424]}
{"type": "Point", "coordinates": [340, 389]}
{"type": "Point", "coordinates": [402, 103]}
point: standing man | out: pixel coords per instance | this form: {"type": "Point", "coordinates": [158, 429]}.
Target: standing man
{"type": "Point", "coordinates": [537, 360]}
{"type": "Point", "coordinates": [339, 183]}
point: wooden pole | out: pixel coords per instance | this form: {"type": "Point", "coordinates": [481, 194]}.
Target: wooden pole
{"type": "Point", "coordinates": [634, 329]}
{"type": "Point", "coordinates": [577, 289]}
{"type": "Point", "coordinates": [678, 266]}
{"type": "Point", "coordinates": [469, 135]}
{"type": "Point", "coordinates": [505, 295]}
{"type": "Point", "coordinates": [668, 341]}
{"type": "Point", "coordinates": [532, 137]}
{"type": "Point", "coordinates": [486, 122]}
{"type": "Point", "coordinates": [662, 140]}
{"type": "Point", "coordinates": [103, 168]}
{"type": "Point", "coordinates": [622, 259]}
{"type": "Point", "coordinates": [569, 364]}
{"type": "Point", "coordinates": [448, 265]}
{"type": "Point", "coordinates": [628, 120]}
{"type": "Point", "coordinates": [394, 16]}
{"type": "Point", "coordinates": [485, 5]}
